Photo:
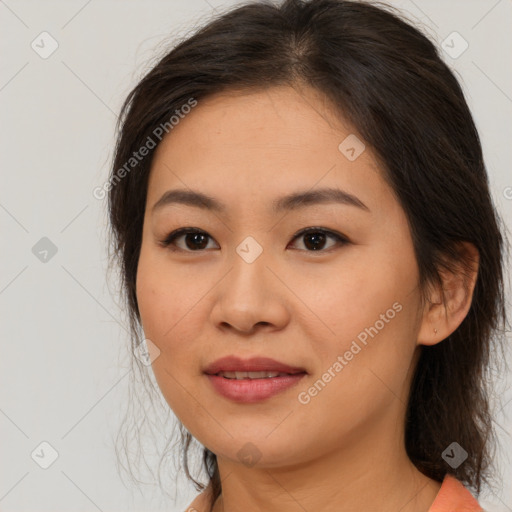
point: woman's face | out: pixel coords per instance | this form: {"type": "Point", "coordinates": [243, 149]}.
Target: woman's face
{"type": "Point", "coordinates": [346, 312]}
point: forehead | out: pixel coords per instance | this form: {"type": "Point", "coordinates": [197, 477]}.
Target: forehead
{"type": "Point", "coordinates": [254, 146]}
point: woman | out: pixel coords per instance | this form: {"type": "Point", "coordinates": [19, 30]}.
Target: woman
{"type": "Point", "coordinates": [301, 213]}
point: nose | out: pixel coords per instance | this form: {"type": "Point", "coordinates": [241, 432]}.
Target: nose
{"type": "Point", "coordinates": [250, 297]}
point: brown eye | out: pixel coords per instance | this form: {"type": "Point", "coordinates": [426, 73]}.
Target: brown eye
{"type": "Point", "coordinates": [315, 239]}
{"type": "Point", "coordinates": [195, 240]}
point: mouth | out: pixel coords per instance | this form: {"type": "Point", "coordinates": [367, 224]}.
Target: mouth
{"type": "Point", "coordinates": [233, 367]}
{"type": "Point", "coordinates": [252, 380]}
{"type": "Point", "coordinates": [255, 375]}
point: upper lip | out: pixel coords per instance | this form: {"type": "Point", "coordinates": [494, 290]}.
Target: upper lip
{"type": "Point", "coordinates": [254, 364]}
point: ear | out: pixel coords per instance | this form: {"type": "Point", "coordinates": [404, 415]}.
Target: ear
{"type": "Point", "coordinates": [448, 307]}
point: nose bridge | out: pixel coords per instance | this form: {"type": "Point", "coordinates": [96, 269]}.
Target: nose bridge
{"type": "Point", "coordinates": [244, 297]}
{"type": "Point", "coordinates": [249, 266]}
{"type": "Point", "coordinates": [249, 249]}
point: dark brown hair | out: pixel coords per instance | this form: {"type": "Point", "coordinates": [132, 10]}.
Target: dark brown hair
{"type": "Point", "coordinates": [388, 80]}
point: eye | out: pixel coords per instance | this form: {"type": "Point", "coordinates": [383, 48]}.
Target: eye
{"type": "Point", "coordinates": [197, 240]}
{"type": "Point", "coordinates": [315, 238]}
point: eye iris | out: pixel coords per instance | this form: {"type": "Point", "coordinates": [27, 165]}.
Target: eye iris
{"type": "Point", "coordinates": [196, 238]}
{"type": "Point", "coordinates": [316, 238]}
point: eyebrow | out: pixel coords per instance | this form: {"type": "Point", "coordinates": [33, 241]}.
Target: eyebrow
{"type": "Point", "coordinates": [293, 201]}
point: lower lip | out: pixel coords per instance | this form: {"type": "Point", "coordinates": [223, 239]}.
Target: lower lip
{"type": "Point", "coordinates": [253, 390]}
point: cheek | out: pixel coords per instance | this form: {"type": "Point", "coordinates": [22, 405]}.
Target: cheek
{"type": "Point", "coordinates": [368, 314]}
{"type": "Point", "coordinates": [362, 375]}
{"type": "Point", "coordinates": [160, 296]}
{"type": "Point", "coordinates": [354, 296]}
{"type": "Point", "coordinates": [160, 311]}
{"type": "Point", "coordinates": [159, 308]}
{"type": "Point", "coordinates": [169, 312]}
{"type": "Point", "coordinates": [152, 299]}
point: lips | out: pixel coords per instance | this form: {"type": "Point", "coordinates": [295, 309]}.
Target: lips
{"type": "Point", "coordinates": [254, 364]}
{"type": "Point", "coordinates": [251, 381]}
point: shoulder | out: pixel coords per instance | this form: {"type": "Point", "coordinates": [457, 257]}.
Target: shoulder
{"type": "Point", "coordinates": [202, 502]}
{"type": "Point", "coordinates": [454, 497]}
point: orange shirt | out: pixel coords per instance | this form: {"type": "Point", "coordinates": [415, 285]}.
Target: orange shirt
{"type": "Point", "coordinates": [452, 497]}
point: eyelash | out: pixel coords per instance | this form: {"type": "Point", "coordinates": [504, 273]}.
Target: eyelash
{"type": "Point", "coordinates": [168, 242]}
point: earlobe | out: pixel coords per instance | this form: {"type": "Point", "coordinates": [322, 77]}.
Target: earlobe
{"type": "Point", "coordinates": [447, 308]}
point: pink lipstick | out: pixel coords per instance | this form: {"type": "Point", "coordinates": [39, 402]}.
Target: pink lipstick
{"type": "Point", "coordinates": [252, 380]}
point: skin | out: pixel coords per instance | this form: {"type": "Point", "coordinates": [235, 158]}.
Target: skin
{"type": "Point", "coordinates": [344, 450]}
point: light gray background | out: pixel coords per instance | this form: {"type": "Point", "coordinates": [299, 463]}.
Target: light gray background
{"type": "Point", "coordinates": [63, 366]}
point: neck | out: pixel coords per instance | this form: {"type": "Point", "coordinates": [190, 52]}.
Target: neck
{"type": "Point", "coordinates": [407, 490]}
{"type": "Point", "coordinates": [369, 472]}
